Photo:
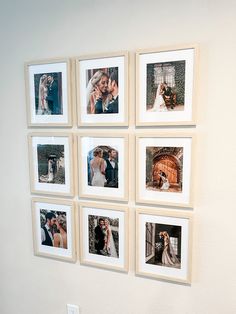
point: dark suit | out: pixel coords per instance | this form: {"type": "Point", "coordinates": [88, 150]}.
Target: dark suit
{"type": "Point", "coordinates": [111, 174]}
{"type": "Point", "coordinates": [168, 94]}
{"type": "Point", "coordinates": [159, 249]}
{"type": "Point", "coordinates": [48, 240]}
{"type": "Point", "coordinates": [53, 98]}
{"type": "Point", "coordinates": [113, 106]}
{"type": "Point", "coordinates": [98, 106]}
{"type": "Point", "coordinates": [99, 239]}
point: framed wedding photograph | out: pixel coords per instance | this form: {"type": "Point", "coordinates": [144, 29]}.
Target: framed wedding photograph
{"type": "Point", "coordinates": [104, 236]}
{"type": "Point", "coordinates": [102, 90]}
{"type": "Point", "coordinates": [165, 86]}
{"type": "Point", "coordinates": [103, 164]}
{"type": "Point", "coordinates": [53, 224]}
{"type": "Point", "coordinates": [48, 93]}
{"type": "Point", "coordinates": [51, 163]}
{"type": "Point", "coordinates": [163, 240]}
{"type": "Point", "coordinates": [164, 169]}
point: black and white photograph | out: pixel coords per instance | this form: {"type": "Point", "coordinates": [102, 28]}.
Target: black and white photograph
{"type": "Point", "coordinates": [102, 90]}
{"type": "Point", "coordinates": [165, 86]}
{"type": "Point", "coordinates": [48, 93]}
{"type": "Point", "coordinates": [104, 236]}
{"type": "Point", "coordinates": [54, 228]}
{"type": "Point", "coordinates": [51, 163]}
{"type": "Point", "coordinates": [163, 239]}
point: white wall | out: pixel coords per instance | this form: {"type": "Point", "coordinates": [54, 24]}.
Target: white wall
{"type": "Point", "coordinates": [32, 30]}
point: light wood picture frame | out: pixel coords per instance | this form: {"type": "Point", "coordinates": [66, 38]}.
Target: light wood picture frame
{"type": "Point", "coordinates": [164, 169]}
{"type": "Point", "coordinates": [51, 160]}
{"type": "Point", "coordinates": [102, 89]}
{"type": "Point", "coordinates": [164, 244]}
{"type": "Point", "coordinates": [53, 225]}
{"type": "Point", "coordinates": [103, 163]}
{"type": "Point", "coordinates": [104, 236]}
{"type": "Point", "coordinates": [166, 86]}
{"type": "Point", "coordinates": [49, 93]}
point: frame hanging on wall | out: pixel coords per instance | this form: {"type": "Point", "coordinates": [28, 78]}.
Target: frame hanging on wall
{"type": "Point", "coordinates": [104, 236]}
{"type": "Point", "coordinates": [164, 169]}
{"type": "Point", "coordinates": [163, 245]}
{"type": "Point", "coordinates": [102, 90]}
{"type": "Point", "coordinates": [48, 93]}
{"type": "Point", "coordinates": [54, 228]}
{"type": "Point", "coordinates": [51, 163]}
{"type": "Point", "coordinates": [165, 86]}
{"type": "Point", "coordinates": [103, 164]}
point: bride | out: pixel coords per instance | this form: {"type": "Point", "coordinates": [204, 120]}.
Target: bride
{"type": "Point", "coordinates": [60, 237]}
{"type": "Point", "coordinates": [43, 92]}
{"type": "Point", "coordinates": [97, 166]}
{"type": "Point", "coordinates": [109, 241]}
{"type": "Point", "coordinates": [168, 256]}
{"type": "Point", "coordinates": [159, 104]}
{"type": "Point", "coordinates": [97, 88]}
{"type": "Point", "coordinates": [165, 182]}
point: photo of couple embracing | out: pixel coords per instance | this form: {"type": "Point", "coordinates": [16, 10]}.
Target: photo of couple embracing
{"type": "Point", "coordinates": [104, 236]}
{"type": "Point", "coordinates": [102, 91]}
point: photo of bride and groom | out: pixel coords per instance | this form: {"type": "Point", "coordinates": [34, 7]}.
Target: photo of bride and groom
{"type": "Point", "coordinates": [103, 236]}
{"type": "Point", "coordinates": [163, 245]}
{"type": "Point", "coordinates": [51, 163]}
{"type": "Point", "coordinates": [48, 93]}
{"type": "Point", "coordinates": [53, 228]}
{"type": "Point", "coordinates": [165, 86]}
{"type": "Point", "coordinates": [103, 167]}
{"type": "Point", "coordinates": [102, 94]}
{"type": "Point", "coordinates": [164, 169]}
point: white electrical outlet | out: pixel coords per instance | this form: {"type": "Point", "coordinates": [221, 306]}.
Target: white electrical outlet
{"type": "Point", "coordinates": [72, 309]}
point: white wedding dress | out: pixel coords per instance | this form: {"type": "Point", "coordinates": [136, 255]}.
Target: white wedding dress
{"type": "Point", "coordinates": [111, 246]}
{"type": "Point", "coordinates": [159, 104]}
{"type": "Point", "coordinates": [165, 185]}
{"type": "Point", "coordinates": [98, 178]}
{"type": "Point", "coordinates": [43, 92]}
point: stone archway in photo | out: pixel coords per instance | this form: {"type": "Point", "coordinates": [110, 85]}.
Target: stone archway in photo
{"type": "Point", "coordinates": [168, 160]}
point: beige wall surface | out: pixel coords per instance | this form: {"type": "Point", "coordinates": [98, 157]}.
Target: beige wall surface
{"type": "Point", "coordinates": [31, 30]}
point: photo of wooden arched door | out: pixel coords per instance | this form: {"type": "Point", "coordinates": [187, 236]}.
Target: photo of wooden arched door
{"type": "Point", "coordinates": [171, 166]}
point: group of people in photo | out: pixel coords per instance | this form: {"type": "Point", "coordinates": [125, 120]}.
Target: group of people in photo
{"type": "Point", "coordinates": [104, 242]}
{"type": "Point", "coordinates": [48, 95]}
{"type": "Point", "coordinates": [103, 93]}
{"type": "Point", "coordinates": [104, 172]}
{"type": "Point", "coordinates": [54, 230]}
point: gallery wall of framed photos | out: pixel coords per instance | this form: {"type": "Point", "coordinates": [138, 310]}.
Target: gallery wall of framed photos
{"type": "Point", "coordinates": [88, 158]}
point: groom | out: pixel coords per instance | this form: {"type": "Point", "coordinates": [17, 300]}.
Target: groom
{"type": "Point", "coordinates": [113, 89]}
{"type": "Point", "coordinates": [111, 172]}
{"type": "Point", "coordinates": [159, 247]}
{"type": "Point", "coordinates": [47, 229]}
{"type": "Point", "coordinates": [99, 236]}
{"type": "Point", "coordinates": [53, 96]}
{"type": "Point", "coordinates": [168, 95]}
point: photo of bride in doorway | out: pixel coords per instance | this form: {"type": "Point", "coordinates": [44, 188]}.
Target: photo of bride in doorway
{"type": "Point", "coordinates": [164, 167]}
